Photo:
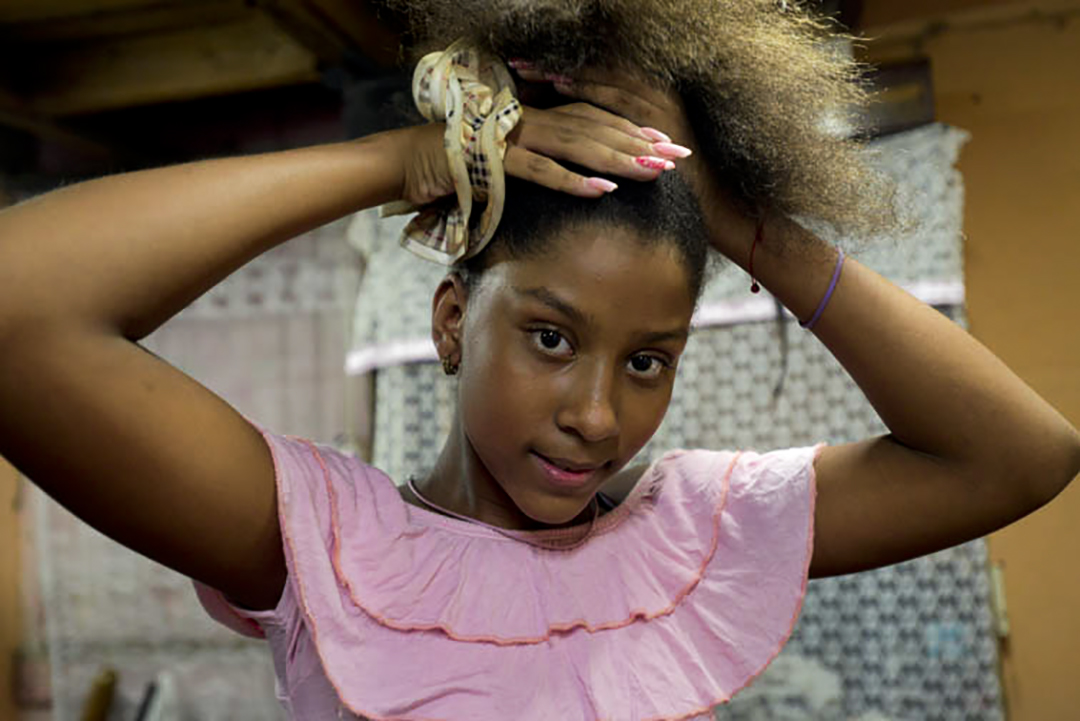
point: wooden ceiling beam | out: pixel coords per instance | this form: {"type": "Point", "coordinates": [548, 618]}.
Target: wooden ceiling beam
{"type": "Point", "coordinates": [140, 70]}
{"type": "Point", "coordinates": [308, 28]}
{"type": "Point", "coordinates": [101, 25]}
{"type": "Point", "coordinates": [15, 114]}
{"type": "Point", "coordinates": [26, 11]}
{"type": "Point", "coordinates": [881, 13]}
{"type": "Point", "coordinates": [373, 31]}
{"type": "Point", "coordinates": [331, 29]}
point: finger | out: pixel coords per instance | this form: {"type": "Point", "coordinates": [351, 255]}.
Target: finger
{"type": "Point", "coordinates": [536, 168]}
{"type": "Point", "coordinates": [527, 71]}
{"type": "Point", "coordinates": [619, 101]}
{"type": "Point", "coordinates": [583, 141]}
{"type": "Point", "coordinates": [603, 117]}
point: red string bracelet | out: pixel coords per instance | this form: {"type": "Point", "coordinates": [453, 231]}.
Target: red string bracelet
{"type": "Point", "coordinates": [754, 286]}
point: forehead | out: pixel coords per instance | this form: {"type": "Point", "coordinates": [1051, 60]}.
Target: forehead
{"type": "Point", "coordinates": [605, 273]}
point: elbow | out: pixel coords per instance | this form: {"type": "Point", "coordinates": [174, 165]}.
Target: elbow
{"type": "Point", "coordinates": [1060, 465]}
{"type": "Point", "coordinates": [1035, 473]}
{"type": "Point", "coordinates": [1072, 468]}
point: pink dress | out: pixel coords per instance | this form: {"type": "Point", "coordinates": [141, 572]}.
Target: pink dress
{"type": "Point", "coordinates": [686, 591]}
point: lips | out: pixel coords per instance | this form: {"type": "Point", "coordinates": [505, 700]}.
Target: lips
{"type": "Point", "coordinates": [572, 466]}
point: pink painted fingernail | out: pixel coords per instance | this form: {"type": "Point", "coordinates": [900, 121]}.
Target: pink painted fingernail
{"type": "Point", "coordinates": [560, 79]}
{"type": "Point", "coordinates": [519, 64]}
{"type": "Point", "coordinates": [647, 161]}
{"type": "Point", "coordinates": [670, 150]}
{"type": "Point", "coordinates": [656, 135]}
{"type": "Point", "coordinates": [601, 184]}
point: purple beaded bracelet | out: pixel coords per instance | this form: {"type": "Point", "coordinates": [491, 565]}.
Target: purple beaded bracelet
{"type": "Point", "coordinates": [809, 325]}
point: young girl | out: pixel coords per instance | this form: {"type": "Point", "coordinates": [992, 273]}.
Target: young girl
{"type": "Point", "coordinates": [532, 573]}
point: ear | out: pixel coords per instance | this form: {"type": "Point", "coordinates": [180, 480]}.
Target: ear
{"type": "Point", "coordinates": [448, 316]}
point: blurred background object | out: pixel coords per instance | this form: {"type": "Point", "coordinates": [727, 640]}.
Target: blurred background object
{"type": "Point", "coordinates": [90, 86]}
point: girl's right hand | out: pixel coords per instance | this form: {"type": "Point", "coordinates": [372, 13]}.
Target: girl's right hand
{"type": "Point", "coordinates": [578, 133]}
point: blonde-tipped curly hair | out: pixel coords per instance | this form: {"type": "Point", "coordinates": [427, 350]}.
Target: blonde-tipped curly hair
{"type": "Point", "coordinates": [772, 99]}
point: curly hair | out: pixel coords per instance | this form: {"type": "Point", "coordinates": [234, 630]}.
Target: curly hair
{"type": "Point", "coordinates": [773, 104]}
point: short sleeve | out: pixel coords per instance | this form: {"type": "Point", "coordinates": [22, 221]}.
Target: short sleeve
{"type": "Point", "coordinates": [241, 620]}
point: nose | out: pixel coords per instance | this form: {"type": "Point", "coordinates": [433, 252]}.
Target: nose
{"type": "Point", "coordinates": [590, 407]}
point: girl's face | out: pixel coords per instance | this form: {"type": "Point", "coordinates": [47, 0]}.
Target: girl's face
{"type": "Point", "coordinates": [568, 362]}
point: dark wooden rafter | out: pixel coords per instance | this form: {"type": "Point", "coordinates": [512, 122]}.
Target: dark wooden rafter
{"type": "Point", "coordinates": [70, 57]}
{"type": "Point", "coordinates": [15, 114]}
{"type": "Point", "coordinates": [179, 65]}
{"type": "Point", "coordinates": [88, 22]}
{"type": "Point", "coordinates": [332, 30]}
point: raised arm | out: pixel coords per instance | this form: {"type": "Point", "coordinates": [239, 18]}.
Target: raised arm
{"type": "Point", "coordinates": [126, 442]}
{"type": "Point", "coordinates": [971, 447]}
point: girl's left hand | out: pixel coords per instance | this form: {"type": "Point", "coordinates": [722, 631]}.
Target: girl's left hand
{"type": "Point", "coordinates": [634, 97]}
{"type": "Point", "coordinates": [659, 111]}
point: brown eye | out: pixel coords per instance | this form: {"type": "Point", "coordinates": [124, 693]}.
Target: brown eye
{"type": "Point", "coordinates": [551, 342]}
{"type": "Point", "coordinates": [647, 366]}
{"type": "Point", "coordinates": [550, 339]}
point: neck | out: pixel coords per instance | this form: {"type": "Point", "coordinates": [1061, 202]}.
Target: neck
{"type": "Point", "coordinates": [461, 483]}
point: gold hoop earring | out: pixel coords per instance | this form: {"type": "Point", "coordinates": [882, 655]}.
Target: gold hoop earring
{"type": "Point", "coordinates": [449, 367]}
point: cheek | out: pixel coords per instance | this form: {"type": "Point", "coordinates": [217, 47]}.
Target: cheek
{"type": "Point", "coordinates": [642, 417]}
{"type": "Point", "coordinates": [499, 397]}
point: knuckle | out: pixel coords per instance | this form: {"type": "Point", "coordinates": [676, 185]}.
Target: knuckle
{"type": "Point", "coordinates": [617, 162]}
{"type": "Point", "coordinates": [537, 164]}
{"type": "Point", "coordinates": [569, 182]}
{"type": "Point", "coordinates": [565, 134]}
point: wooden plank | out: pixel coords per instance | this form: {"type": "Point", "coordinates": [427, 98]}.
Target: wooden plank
{"type": "Point", "coordinates": [10, 585]}
{"type": "Point", "coordinates": [14, 113]}
{"type": "Point", "coordinates": [886, 12]}
{"type": "Point", "coordinates": [880, 13]}
{"type": "Point", "coordinates": [375, 32]}
{"type": "Point", "coordinates": [19, 11]}
{"type": "Point", "coordinates": [310, 30]}
{"type": "Point", "coordinates": [100, 25]}
{"type": "Point", "coordinates": [331, 29]}
{"type": "Point", "coordinates": [223, 59]}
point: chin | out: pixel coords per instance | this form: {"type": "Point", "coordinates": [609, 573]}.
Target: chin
{"type": "Point", "coordinates": [557, 511]}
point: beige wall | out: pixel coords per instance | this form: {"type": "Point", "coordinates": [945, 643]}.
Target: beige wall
{"type": "Point", "coordinates": [10, 577]}
{"type": "Point", "coordinates": [1013, 80]}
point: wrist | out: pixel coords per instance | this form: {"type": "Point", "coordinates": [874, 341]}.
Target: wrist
{"type": "Point", "coordinates": [731, 231]}
{"type": "Point", "coordinates": [387, 153]}
{"type": "Point", "coordinates": [795, 265]}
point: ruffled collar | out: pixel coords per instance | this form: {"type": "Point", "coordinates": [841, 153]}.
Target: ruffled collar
{"type": "Point", "coordinates": [691, 589]}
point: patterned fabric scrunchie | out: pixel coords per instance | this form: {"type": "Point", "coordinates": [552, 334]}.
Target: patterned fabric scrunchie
{"type": "Point", "coordinates": [475, 95]}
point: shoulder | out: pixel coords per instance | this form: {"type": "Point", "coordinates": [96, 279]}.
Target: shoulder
{"type": "Point", "coordinates": [698, 465]}
{"type": "Point", "coordinates": [747, 471]}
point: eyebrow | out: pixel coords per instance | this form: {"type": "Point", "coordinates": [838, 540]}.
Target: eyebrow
{"type": "Point", "coordinates": [550, 299]}
{"type": "Point", "coordinates": [660, 337]}
{"type": "Point", "coordinates": [554, 302]}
